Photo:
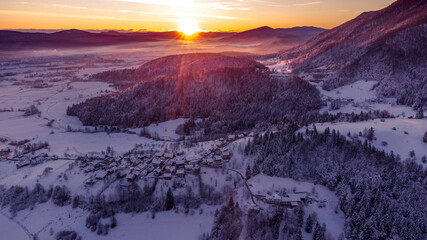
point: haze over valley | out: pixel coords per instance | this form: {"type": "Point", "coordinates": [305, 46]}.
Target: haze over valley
{"type": "Point", "coordinates": [310, 132]}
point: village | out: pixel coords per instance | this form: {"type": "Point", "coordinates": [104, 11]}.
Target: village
{"type": "Point", "coordinates": [160, 163]}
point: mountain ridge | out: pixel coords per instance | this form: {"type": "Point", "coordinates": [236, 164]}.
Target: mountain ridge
{"type": "Point", "coordinates": [386, 46]}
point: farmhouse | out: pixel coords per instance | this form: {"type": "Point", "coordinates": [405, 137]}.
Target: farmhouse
{"type": "Point", "coordinates": [180, 172]}
{"type": "Point", "coordinates": [23, 164]}
{"type": "Point", "coordinates": [101, 175]}
{"type": "Point", "coordinates": [167, 176]}
{"type": "Point", "coordinates": [290, 200]}
{"type": "Point", "coordinates": [180, 163]}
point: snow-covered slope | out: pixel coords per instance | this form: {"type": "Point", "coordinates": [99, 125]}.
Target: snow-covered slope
{"type": "Point", "coordinates": [386, 46]}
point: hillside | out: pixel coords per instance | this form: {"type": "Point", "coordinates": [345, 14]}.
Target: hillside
{"type": "Point", "coordinates": [235, 90]}
{"type": "Point", "coordinates": [174, 65]}
{"type": "Point", "coordinates": [296, 34]}
{"type": "Point", "coordinates": [387, 46]}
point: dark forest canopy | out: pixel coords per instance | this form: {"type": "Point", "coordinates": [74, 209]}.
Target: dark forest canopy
{"type": "Point", "coordinates": [382, 197]}
{"type": "Point", "coordinates": [240, 94]}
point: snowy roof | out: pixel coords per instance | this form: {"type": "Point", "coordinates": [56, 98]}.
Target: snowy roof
{"type": "Point", "coordinates": [180, 162]}
{"type": "Point", "coordinates": [292, 198]}
{"type": "Point", "coordinates": [180, 171]}
{"type": "Point", "coordinates": [101, 174]}
{"type": "Point", "coordinates": [168, 155]}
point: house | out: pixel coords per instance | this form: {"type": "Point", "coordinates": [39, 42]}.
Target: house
{"type": "Point", "coordinates": [122, 173]}
{"type": "Point", "coordinates": [231, 137]}
{"type": "Point", "coordinates": [143, 173]}
{"type": "Point", "coordinates": [189, 167]}
{"type": "Point", "coordinates": [225, 155]}
{"type": "Point", "coordinates": [22, 164]}
{"type": "Point", "coordinates": [303, 196]}
{"type": "Point", "coordinates": [131, 176]}
{"type": "Point", "coordinates": [167, 176]}
{"type": "Point", "coordinates": [89, 181]}
{"type": "Point", "coordinates": [112, 170]}
{"type": "Point", "coordinates": [170, 169]}
{"type": "Point", "coordinates": [158, 155]}
{"type": "Point", "coordinates": [180, 172]}
{"type": "Point", "coordinates": [158, 171]}
{"type": "Point", "coordinates": [144, 156]}
{"type": "Point", "coordinates": [168, 155]}
{"type": "Point", "coordinates": [180, 163]}
{"type": "Point", "coordinates": [209, 161]}
{"type": "Point", "coordinates": [157, 162]}
{"type": "Point", "coordinates": [217, 159]}
{"type": "Point", "coordinates": [194, 161]}
{"type": "Point", "coordinates": [180, 153]}
{"type": "Point", "coordinates": [291, 200]}
{"type": "Point", "coordinates": [101, 175]}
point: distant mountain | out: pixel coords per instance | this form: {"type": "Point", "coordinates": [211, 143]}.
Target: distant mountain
{"type": "Point", "coordinates": [233, 93]}
{"type": "Point", "coordinates": [389, 46]}
{"type": "Point", "coordinates": [296, 34]}
{"type": "Point", "coordinates": [12, 40]}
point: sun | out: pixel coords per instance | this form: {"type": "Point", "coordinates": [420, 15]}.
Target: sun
{"type": "Point", "coordinates": [188, 26]}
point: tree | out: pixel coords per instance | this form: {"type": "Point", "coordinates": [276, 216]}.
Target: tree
{"type": "Point", "coordinates": [318, 232]}
{"type": "Point", "coordinates": [248, 172]}
{"type": "Point", "coordinates": [255, 170]}
{"type": "Point", "coordinates": [231, 202]}
{"type": "Point", "coordinates": [425, 137]}
{"type": "Point", "coordinates": [299, 235]}
{"type": "Point", "coordinates": [169, 203]}
{"type": "Point", "coordinates": [113, 223]}
{"type": "Point", "coordinates": [309, 223]}
{"type": "Point", "coordinates": [370, 135]}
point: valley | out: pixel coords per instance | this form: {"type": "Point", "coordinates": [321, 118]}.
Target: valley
{"type": "Point", "coordinates": [269, 133]}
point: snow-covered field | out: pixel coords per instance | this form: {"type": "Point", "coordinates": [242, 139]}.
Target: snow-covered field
{"type": "Point", "coordinates": [407, 137]}
{"type": "Point", "coordinates": [47, 219]}
{"type": "Point", "coordinates": [65, 82]}
{"type": "Point", "coordinates": [400, 135]}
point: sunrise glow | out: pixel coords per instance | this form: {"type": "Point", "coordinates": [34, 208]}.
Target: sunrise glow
{"type": "Point", "coordinates": [163, 15]}
{"type": "Point", "coordinates": [188, 26]}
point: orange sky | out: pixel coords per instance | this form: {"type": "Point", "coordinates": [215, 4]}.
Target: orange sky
{"type": "Point", "coordinates": [158, 15]}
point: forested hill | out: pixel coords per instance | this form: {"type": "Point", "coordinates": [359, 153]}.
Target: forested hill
{"type": "Point", "coordinates": [174, 65]}
{"type": "Point", "coordinates": [388, 46]}
{"type": "Point", "coordinates": [233, 97]}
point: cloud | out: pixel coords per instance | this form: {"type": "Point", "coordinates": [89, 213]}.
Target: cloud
{"type": "Point", "coordinates": [190, 15]}
{"type": "Point", "coordinates": [221, 5]}
{"type": "Point", "coordinates": [44, 14]}
{"type": "Point", "coordinates": [306, 4]}
{"type": "Point", "coordinates": [68, 6]}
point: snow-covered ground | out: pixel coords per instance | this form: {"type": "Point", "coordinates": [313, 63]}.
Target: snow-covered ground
{"type": "Point", "coordinates": [47, 219]}
{"type": "Point", "coordinates": [262, 185]}
{"type": "Point", "coordinates": [10, 229]}
{"type": "Point", "coordinates": [407, 137]}
{"type": "Point", "coordinates": [66, 83]}
{"type": "Point", "coordinates": [360, 96]}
